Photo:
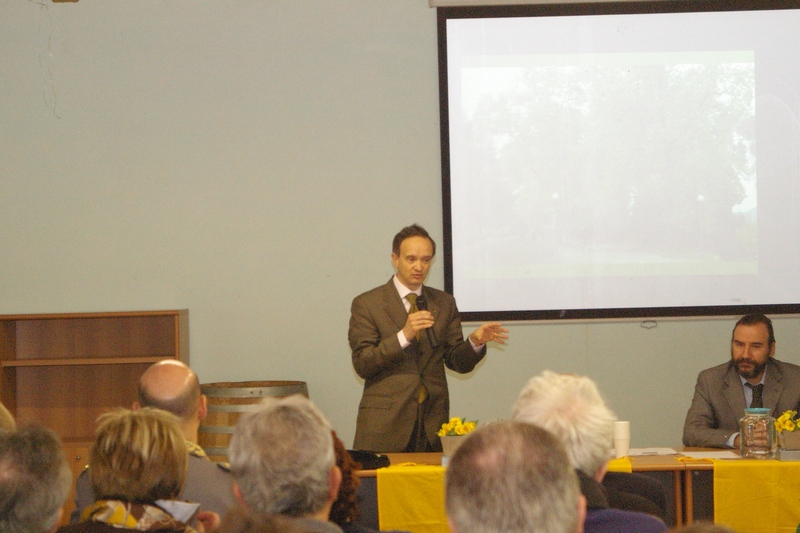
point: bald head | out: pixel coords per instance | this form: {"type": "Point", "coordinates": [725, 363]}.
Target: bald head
{"type": "Point", "coordinates": [172, 386]}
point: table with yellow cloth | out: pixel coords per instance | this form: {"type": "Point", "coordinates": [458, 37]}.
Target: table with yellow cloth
{"type": "Point", "coordinates": [757, 496]}
{"type": "Point", "coordinates": [411, 496]}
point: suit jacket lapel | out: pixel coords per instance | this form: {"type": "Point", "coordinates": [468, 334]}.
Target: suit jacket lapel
{"type": "Point", "coordinates": [433, 305]}
{"type": "Point", "coordinates": [393, 305]}
{"type": "Point", "coordinates": [734, 394]}
{"type": "Point", "coordinates": [773, 386]}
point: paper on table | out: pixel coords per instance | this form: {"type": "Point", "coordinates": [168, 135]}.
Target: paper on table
{"type": "Point", "coordinates": [652, 451]}
{"type": "Point", "coordinates": [718, 454]}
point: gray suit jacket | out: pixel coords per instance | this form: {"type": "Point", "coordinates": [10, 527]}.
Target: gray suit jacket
{"type": "Point", "coordinates": [392, 375]}
{"type": "Point", "coordinates": [719, 402]}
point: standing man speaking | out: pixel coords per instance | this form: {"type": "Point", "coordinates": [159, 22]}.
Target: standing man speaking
{"type": "Point", "coordinates": [402, 335]}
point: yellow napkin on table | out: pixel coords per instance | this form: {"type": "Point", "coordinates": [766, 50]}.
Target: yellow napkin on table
{"type": "Point", "coordinates": [411, 498]}
{"type": "Point", "coordinates": [757, 496]}
{"type": "Point", "coordinates": [623, 464]}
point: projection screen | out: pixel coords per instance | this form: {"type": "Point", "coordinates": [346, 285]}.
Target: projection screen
{"type": "Point", "coordinates": [621, 160]}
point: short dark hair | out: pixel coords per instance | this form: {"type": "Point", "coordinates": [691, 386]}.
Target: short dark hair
{"type": "Point", "coordinates": [414, 230]}
{"type": "Point", "coordinates": [752, 320]}
{"type": "Point", "coordinates": [35, 480]}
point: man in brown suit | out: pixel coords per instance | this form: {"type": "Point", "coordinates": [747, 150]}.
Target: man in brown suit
{"type": "Point", "coordinates": [400, 347]}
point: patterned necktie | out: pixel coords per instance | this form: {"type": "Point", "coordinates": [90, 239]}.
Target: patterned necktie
{"type": "Point", "coordinates": [757, 390]}
{"type": "Point", "coordinates": [412, 299]}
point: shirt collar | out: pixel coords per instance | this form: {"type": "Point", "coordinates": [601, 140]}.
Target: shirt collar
{"type": "Point", "coordinates": [402, 290]}
{"type": "Point", "coordinates": [763, 378]}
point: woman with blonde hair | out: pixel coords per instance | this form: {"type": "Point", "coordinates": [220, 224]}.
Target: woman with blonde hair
{"type": "Point", "coordinates": [137, 467]}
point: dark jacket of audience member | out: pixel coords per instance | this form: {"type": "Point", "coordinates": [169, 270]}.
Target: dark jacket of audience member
{"type": "Point", "coordinates": [242, 520]}
{"type": "Point", "coordinates": [601, 518]}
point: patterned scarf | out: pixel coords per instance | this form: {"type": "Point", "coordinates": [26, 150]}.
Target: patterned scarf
{"type": "Point", "coordinates": [136, 516]}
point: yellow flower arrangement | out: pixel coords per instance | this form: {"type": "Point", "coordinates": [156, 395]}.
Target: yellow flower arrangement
{"type": "Point", "coordinates": [787, 422]}
{"type": "Point", "coordinates": [457, 426]}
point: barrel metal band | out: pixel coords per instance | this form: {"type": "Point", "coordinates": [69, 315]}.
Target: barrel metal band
{"type": "Point", "coordinates": [241, 408]}
{"type": "Point", "coordinates": [212, 450]}
{"type": "Point", "coordinates": [247, 392]}
{"type": "Point", "coordinates": [216, 429]}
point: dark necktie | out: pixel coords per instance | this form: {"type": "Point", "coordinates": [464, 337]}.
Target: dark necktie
{"type": "Point", "coordinates": [757, 390]}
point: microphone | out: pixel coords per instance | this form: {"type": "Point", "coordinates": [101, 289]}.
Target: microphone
{"type": "Point", "coordinates": [422, 305]}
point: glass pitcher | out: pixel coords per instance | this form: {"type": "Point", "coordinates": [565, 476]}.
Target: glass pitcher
{"type": "Point", "coordinates": [757, 438]}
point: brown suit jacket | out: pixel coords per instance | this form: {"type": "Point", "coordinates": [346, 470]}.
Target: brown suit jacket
{"type": "Point", "coordinates": [719, 403]}
{"type": "Point", "coordinates": [392, 375]}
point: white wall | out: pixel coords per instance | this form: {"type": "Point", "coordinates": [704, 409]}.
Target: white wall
{"type": "Point", "coordinates": [251, 161]}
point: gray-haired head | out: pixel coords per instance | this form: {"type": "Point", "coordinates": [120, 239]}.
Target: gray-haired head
{"type": "Point", "coordinates": [512, 477]}
{"type": "Point", "coordinates": [571, 408]}
{"type": "Point", "coordinates": [34, 480]}
{"type": "Point", "coordinates": [281, 457]}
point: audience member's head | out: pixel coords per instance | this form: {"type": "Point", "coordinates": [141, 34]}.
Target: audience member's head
{"type": "Point", "coordinates": [345, 508]}
{"type": "Point", "coordinates": [172, 386]}
{"type": "Point", "coordinates": [282, 459]}
{"type": "Point", "coordinates": [6, 420]}
{"type": "Point", "coordinates": [34, 480]}
{"type": "Point", "coordinates": [138, 456]}
{"type": "Point", "coordinates": [512, 477]}
{"type": "Point", "coordinates": [571, 408]}
{"type": "Point", "coordinates": [243, 520]}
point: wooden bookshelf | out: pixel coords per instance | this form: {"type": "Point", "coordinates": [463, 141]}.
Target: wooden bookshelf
{"type": "Point", "coordinates": [64, 370]}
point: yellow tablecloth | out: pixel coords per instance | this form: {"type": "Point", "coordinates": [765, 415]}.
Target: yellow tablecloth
{"type": "Point", "coordinates": [757, 496]}
{"type": "Point", "coordinates": [411, 496]}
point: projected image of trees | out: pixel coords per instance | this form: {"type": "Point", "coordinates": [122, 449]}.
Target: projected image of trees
{"type": "Point", "coordinates": [622, 164]}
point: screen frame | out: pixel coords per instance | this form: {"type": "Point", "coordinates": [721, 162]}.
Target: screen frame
{"type": "Point", "coordinates": [571, 9]}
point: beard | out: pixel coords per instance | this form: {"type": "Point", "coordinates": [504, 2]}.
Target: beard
{"type": "Point", "coordinates": [753, 371]}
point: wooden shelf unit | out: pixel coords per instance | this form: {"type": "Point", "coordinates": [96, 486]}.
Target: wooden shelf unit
{"type": "Point", "coordinates": [64, 370]}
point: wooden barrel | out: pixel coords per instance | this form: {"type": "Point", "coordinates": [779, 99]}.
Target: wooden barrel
{"type": "Point", "coordinates": [228, 401]}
